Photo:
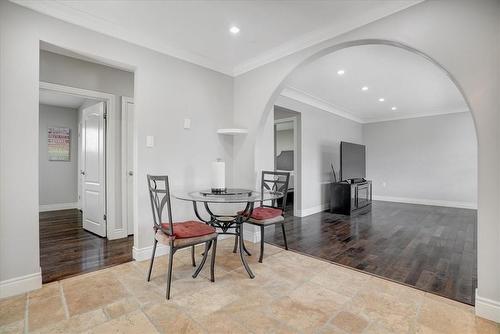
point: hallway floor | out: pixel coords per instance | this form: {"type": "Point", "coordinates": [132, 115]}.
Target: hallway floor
{"type": "Point", "coordinates": [291, 293]}
{"type": "Point", "coordinates": [66, 249]}
{"type": "Point", "coordinates": [428, 247]}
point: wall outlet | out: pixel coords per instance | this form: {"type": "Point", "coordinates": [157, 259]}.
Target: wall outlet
{"type": "Point", "coordinates": [150, 141]}
{"type": "Point", "coordinates": [187, 123]}
{"type": "Point", "coordinates": [384, 184]}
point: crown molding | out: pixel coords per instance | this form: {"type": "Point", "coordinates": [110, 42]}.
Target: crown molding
{"type": "Point", "coordinates": [314, 38]}
{"type": "Point", "coordinates": [61, 11]}
{"type": "Point", "coordinates": [410, 116]}
{"type": "Point", "coordinates": [316, 102]}
{"type": "Point", "coordinates": [64, 12]}
{"type": "Point", "coordinates": [313, 101]}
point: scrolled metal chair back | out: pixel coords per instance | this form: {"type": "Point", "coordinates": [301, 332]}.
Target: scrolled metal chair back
{"type": "Point", "coordinates": [159, 194]}
{"type": "Point", "coordinates": [275, 182]}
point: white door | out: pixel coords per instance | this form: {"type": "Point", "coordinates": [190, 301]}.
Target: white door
{"type": "Point", "coordinates": [93, 169]}
{"type": "Point", "coordinates": [130, 165]}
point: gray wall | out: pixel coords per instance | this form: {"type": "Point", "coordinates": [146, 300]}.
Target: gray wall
{"type": "Point", "coordinates": [68, 71]}
{"type": "Point", "coordinates": [58, 180]}
{"type": "Point", "coordinates": [428, 159]}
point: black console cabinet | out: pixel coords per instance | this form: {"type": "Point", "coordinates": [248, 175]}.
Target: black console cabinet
{"type": "Point", "coordinates": [350, 198]}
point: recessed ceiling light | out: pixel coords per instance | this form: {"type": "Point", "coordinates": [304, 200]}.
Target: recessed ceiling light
{"type": "Point", "coordinates": [394, 108]}
{"type": "Point", "coordinates": [234, 30]}
{"type": "Point", "coordinates": [364, 88]}
{"type": "Point", "coordinates": [381, 99]}
{"type": "Point", "coordinates": [340, 72]}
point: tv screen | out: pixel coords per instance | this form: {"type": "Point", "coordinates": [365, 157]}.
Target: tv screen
{"type": "Point", "coordinates": [352, 161]}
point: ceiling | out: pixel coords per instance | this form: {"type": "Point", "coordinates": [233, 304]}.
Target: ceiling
{"type": "Point", "coordinates": [409, 82]}
{"type": "Point", "coordinates": [198, 31]}
{"type": "Point", "coordinates": [51, 98]}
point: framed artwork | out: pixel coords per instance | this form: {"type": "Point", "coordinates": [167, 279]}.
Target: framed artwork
{"type": "Point", "coordinates": [58, 143]}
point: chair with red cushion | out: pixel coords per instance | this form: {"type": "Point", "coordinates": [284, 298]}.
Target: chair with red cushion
{"type": "Point", "coordinates": [273, 214]}
{"type": "Point", "coordinates": [177, 235]}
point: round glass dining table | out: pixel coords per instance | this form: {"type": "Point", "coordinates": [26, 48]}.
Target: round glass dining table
{"type": "Point", "coordinates": [229, 223]}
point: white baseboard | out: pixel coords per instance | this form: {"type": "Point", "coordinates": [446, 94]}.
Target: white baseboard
{"type": "Point", "coordinates": [313, 210]}
{"type": "Point", "coordinates": [487, 308]}
{"type": "Point", "coordinates": [22, 284]}
{"type": "Point", "coordinates": [422, 201]}
{"type": "Point", "coordinates": [141, 254]}
{"type": "Point", "coordinates": [58, 206]}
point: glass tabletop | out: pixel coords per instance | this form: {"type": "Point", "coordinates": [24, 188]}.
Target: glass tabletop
{"type": "Point", "coordinates": [231, 196]}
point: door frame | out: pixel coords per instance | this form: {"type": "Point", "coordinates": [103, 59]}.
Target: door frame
{"type": "Point", "coordinates": [297, 177]}
{"type": "Point", "coordinates": [114, 230]}
{"type": "Point", "coordinates": [125, 113]}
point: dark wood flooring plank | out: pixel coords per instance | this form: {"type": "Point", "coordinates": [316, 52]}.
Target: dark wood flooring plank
{"type": "Point", "coordinates": [66, 249]}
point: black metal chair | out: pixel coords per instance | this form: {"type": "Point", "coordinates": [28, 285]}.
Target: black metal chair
{"type": "Point", "coordinates": [180, 234]}
{"type": "Point", "coordinates": [273, 214]}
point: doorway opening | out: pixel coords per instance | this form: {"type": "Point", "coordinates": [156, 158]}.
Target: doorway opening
{"type": "Point", "coordinates": [421, 230]}
{"type": "Point", "coordinates": [85, 159]}
{"type": "Point", "coordinates": [287, 155]}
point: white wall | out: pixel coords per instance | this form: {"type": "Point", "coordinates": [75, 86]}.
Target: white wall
{"type": "Point", "coordinates": [166, 90]}
{"type": "Point", "coordinates": [469, 52]}
{"type": "Point", "coordinates": [58, 179]}
{"type": "Point", "coordinates": [429, 160]}
{"type": "Point", "coordinates": [321, 134]}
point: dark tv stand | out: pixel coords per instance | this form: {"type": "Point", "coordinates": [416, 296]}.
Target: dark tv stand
{"type": "Point", "coordinates": [351, 198]}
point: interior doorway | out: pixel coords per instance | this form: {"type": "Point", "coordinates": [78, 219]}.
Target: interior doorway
{"type": "Point", "coordinates": [86, 157]}
{"type": "Point", "coordinates": [421, 230]}
{"type": "Point", "coordinates": [287, 154]}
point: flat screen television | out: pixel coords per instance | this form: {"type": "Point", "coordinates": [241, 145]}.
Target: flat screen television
{"type": "Point", "coordinates": [352, 161]}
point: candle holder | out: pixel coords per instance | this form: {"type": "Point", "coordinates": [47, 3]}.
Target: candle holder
{"type": "Point", "coordinates": [219, 190]}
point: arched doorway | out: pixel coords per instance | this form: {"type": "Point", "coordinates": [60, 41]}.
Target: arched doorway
{"type": "Point", "coordinates": [267, 113]}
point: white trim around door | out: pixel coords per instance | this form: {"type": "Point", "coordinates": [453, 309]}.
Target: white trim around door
{"type": "Point", "coordinates": [128, 165]}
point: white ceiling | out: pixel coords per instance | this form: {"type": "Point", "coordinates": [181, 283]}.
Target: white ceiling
{"type": "Point", "coordinates": [51, 98]}
{"type": "Point", "coordinates": [198, 31]}
{"type": "Point", "coordinates": [405, 80]}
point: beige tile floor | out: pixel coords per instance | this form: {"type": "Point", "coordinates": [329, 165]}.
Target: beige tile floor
{"type": "Point", "coordinates": [291, 293]}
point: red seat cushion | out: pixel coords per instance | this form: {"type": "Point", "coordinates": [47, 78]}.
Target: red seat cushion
{"type": "Point", "coordinates": [262, 213]}
{"type": "Point", "coordinates": [190, 229]}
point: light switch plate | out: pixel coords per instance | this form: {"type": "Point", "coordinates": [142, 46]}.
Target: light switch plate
{"type": "Point", "coordinates": [187, 123]}
{"type": "Point", "coordinates": [150, 141]}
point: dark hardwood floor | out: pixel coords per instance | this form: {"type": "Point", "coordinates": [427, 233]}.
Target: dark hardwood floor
{"type": "Point", "coordinates": [431, 248]}
{"type": "Point", "coordinates": [66, 249]}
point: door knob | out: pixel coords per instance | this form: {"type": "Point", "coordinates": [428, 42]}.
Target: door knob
{"type": "Point", "coordinates": [82, 172]}
{"type": "Point", "coordinates": [130, 173]}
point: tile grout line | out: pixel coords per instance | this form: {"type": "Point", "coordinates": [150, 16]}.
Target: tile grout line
{"type": "Point", "coordinates": [26, 314]}
{"type": "Point", "coordinates": [417, 313]}
{"type": "Point", "coordinates": [63, 300]}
